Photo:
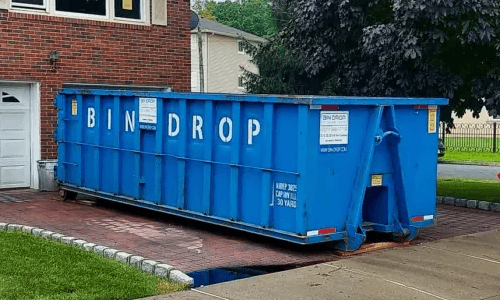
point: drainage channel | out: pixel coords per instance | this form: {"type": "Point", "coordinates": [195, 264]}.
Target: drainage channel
{"type": "Point", "coordinates": [219, 275]}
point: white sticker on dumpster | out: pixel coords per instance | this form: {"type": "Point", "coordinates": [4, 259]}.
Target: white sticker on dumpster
{"type": "Point", "coordinates": [285, 194]}
{"type": "Point", "coordinates": [147, 110]}
{"type": "Point", "coordinates": [148, 113]}
{"type": "Point", "coordinates": [333, 130]}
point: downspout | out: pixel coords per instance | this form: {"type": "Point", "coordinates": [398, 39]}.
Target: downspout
{"type": "Point", "coordinates": [200, 55]}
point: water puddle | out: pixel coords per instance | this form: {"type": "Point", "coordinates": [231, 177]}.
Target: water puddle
{"type": "Point", "coordinates": [219, 275]}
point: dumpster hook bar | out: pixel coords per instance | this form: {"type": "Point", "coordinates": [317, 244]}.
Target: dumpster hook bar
{"type": "Point", "coordinates": [378, 138]}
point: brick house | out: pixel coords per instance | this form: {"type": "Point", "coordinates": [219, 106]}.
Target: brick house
{"type": "Point", "coordinates": [48, 44]}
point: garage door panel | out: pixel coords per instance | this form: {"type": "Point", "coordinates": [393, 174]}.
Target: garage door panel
{"type": "Point", "coordinates": [10, 121]}
{"type": "Point", "coordinates": [15, 153]}
{"type": "Point", "coordinates": [14, 95]}
{"type": "Point", "coordinates": [13, 149]}
{"type": "Point", "coordinates": [14, 175]}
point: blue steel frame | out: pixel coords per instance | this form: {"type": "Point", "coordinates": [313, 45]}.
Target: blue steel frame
{"type": "Point", "coordinates": [355, 233]}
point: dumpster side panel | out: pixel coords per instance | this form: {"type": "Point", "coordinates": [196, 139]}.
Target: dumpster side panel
{"type": "Point", "coordinates": [253, 163]}
{"type": "Point", "coordinates": [285, 159]}
{"type": "Point", "coordinates": [193, 181]}
{"type": "Point", "coordinates": [224, 152]}
{"type": "Point", "coordinates": [330, 189]}
{"type": "Point", "coordinates": [419, 160]}
{"type": "Point", "coordinates": [253, 153]}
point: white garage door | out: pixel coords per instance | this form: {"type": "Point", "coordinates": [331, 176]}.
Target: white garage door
{"type": "Point", "coordinates": [14, 135]}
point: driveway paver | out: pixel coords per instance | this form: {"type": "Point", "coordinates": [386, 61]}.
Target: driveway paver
{"type": "Point", "coordinates": [190, 245]}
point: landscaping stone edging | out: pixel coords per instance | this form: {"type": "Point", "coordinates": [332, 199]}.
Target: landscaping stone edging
{"type": "Point", "coordinates": [484, 205]}
{"type": "Point", "coordinates": [146, 265]}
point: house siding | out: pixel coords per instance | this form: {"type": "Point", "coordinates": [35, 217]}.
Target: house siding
{"type": "Point", "coordinates": [94, 52]}
{"type": "Point", "coordinates": [221, 64]}
{"type": "Point", "coordinates": [469, 119]}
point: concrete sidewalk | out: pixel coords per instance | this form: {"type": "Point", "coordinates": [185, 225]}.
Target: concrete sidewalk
{"type": "Point", "coordinates": [465, 267]}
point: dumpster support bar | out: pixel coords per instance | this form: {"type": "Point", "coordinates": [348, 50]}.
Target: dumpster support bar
{"type": "Point", "coordinates": [355, 233]}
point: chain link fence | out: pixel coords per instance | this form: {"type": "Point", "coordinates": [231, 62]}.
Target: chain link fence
{"type": "Point", "coordinates": [469, 137]}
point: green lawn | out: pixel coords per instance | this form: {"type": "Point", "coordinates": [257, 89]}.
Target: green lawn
{"type": "Point", "coordinates": [470, 157]}
{"type": "Point", "coordinates": [471, 189]}
{"type": "Point", "coordinates": [484, 144]}
{"type": "Point", "coordinates": [35, 268]}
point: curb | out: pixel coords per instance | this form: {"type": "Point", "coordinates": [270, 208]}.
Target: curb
{"type": "Point", "coordinates": [146, 265]}
{"type": "Point", "coordinates": [484, 205]}
{"type": "Point", "coordinates": [492, 164]}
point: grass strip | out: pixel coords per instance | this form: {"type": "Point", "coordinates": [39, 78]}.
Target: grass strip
{"type": "Point", "coordinates": [471, 189]}
{"type": "Point", "coordinates": [35, 268]}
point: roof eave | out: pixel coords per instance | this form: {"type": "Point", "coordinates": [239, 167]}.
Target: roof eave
{"type": "Point", "coordinates": [251, 38]}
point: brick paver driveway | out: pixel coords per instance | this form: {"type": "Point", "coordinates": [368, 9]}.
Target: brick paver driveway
{"type": "Point", "coordinates": [190, 245]}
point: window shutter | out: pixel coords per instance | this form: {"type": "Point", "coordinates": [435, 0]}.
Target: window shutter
{"type": "Point", "coordinates": [3, 4]}
{"type": "Point", "coordinates": [159, 8]}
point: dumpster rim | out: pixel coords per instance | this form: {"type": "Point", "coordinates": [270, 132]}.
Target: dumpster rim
{"type": "Point", "coordinates": [266, 98]}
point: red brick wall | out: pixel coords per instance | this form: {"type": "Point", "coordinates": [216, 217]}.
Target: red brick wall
{"type": "Point", "coordinates": [93, 52]}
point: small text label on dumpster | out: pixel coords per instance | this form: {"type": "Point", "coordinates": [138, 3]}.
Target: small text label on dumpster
{"type": "Point", "coordinates": [285, 194]}
{"type": "Point", "coordinates": [333, 130]}
{"type": "Point", "coordinates": [376, 180]}
{"type": "Point", "coordinates": [147, 110]}
{"type": "Point", "coordinates": [74, 107]}
{"type": "Point", "coordinates": [432, 128]}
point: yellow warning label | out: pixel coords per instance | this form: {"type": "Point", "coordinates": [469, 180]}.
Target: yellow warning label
{"type": "Point", "coordinates": [127, 4]}
{"type": "Point", "coordinates": [74, 108]}
{"type": "Point", "coordinates": [432, 127]}
{"type": "Point", "coordinates": [376, 180]}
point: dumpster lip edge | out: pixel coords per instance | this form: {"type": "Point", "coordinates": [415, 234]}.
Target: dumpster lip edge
{"type": "Point", "coordinates": [267, 98]}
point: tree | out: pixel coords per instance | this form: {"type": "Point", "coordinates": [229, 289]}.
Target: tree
{"type": "Point", "coordinates": [280, 71]}
{"type": "Point", "coordinates": [204, 8]}
{"type": "Point", "coordinates": [281, 68]}
{"type": "Point", "coordinates": [253, 16]}
{"type": "Point", "coordinates": [406, 48]}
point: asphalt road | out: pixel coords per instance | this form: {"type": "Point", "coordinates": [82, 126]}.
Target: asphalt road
{"type": "Point", "coordinates": [468, 171]}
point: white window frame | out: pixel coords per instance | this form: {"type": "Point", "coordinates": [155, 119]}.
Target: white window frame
{"type": "Point", "coordinates": [242, 87]}
{"type": "Point", "coordinates": [143, 12]}
{"type": "Point", "coordinates": [80, 15]}
{"type": "Point", "coordinates": [50, 8]}
{"type": "Point", "coordinates": [238, 44]}
{"type": "Point", "coordinates": [42, 7]}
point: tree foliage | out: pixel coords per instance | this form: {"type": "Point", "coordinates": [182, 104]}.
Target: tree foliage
{"type": "Point", "coordinates": [405, 48]}
{"type": "Point", "coordinates": [252, 16]}
{"type": "Point", "coordinates": [204, 8]}
{"type": "Point", "coordinates": [280, 71]}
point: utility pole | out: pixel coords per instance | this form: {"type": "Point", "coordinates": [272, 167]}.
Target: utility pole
{"type": "Point", "coordinates": [200, 54]}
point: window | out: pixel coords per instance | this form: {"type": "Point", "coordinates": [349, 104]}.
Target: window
{"type": "Point", "coordinates": [36, 4]}
{"type": "Point", "coordinates": [100, 9]}
{"type": "Point", "coordinates": [6, 98]}
{"type": "Point", "coordinates": [240, 82]}
{"type": "Point", "coordinates": [241, 50]}
{"type": "Point", "coordinates": [91, 7]}
{"type": "Point", "coordinates": [129, 9]}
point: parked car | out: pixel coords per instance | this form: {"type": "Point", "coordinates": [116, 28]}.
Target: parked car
{"type": "Point", "coordinates": [441, 148]}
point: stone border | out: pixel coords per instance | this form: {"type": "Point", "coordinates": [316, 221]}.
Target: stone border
{"type": "Point", "coordinates": [484, 205]}
{"type": "Point", "coordinates": [146, 265]}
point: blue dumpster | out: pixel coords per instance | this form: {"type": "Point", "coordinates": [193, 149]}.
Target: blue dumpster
{"type": "Point", "coordinates": [303, 169]}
